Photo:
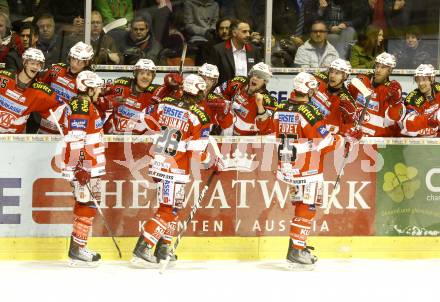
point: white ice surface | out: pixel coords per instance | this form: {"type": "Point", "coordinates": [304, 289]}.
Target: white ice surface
{"type": "Point", "coordinates": [226, 281]}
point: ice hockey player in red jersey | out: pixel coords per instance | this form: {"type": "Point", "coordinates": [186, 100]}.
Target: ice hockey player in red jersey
{"type": "Point", "coordinates": [62, 79]}
{"type": "Point", "coordinates": [303, 142]}
{"type": "Point", "coordinates": [21, 94]}
{"type": "Point", "coordinates": [171, 87]}
{"type": "Point", "coordinates": [129, 98]}
{"type": "Point", "coordinates": [214, 104]}
{"type": "Point", "coordinates": [333, 99]}
{"type": "Point", "coordinates": [386, 108]}
{"type": "Point", "coordinates": [84, 163]}
{"type": "Point", "coordinates": [422, 105]}
{"type": "Point", "coordinates": [182, 129]}
{"type": "Point", "coordinates": [243, 92]}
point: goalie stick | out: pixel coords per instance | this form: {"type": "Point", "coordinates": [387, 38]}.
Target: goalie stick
{"type": "Point", "coordinates": [367, 95]}
{"type": "Point", "coordinates": [91, 193]}
{"type": "Point", "coordinates": [196, 206]}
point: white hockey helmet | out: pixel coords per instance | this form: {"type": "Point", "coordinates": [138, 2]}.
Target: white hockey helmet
{"type": "Point", "coordinates": [81, 51]}
{"type": "Point", "coordinates": [193, 84]}
{"type": "Point", "coordinates": [33, 54]}
{"type": "Point", "coordinates": [261, 70]}
{"type": "Point", "coordinates": [386, 59]}
{"type": "Point", "coordinates": [425, 70]}
{"type": "Point", "coordinates": [145, 64]}
{"type": "Point", "coordinates": [303, 82]}
{"type": "Point", "coordinates": [341, 65]}
{"type": "Point", "coordinates": [209, 70]}
{"type": "Point", "coordinates": [88, 79]}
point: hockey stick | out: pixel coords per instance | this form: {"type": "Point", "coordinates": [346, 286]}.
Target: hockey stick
{"type": "Point", "coordinates": [91, 193]}
{"type": "Point", "coordinates": [114, 24]}
{"type": "Point", "coordinates": [367, 94]}
{"type": "Point", "coordinates": [182, 58]}
{"type": "Point", "coordinates": [196, 206]}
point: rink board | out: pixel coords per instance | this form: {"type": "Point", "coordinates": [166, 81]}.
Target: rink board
{"type": "Point", "coordinates": [233, 248]}
{"type": "Point", "coordinates": [388, 206]}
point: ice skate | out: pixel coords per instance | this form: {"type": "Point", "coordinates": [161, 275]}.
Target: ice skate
{"type": "Point", "coordinates": [162, 251]}
{"type": "Point", "coordinates": [143, 255]}
{"type": "Point", "coordinates": [81, 256]}
{"type": "Point", "coordinates": [301, 259]}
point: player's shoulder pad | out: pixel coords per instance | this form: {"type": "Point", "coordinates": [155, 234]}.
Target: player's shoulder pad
{"type": "Point", "coordinates": [202, 115]}
{"type": "Point", "coordinates": [269, 100]}
{"type": "Point", "coordinates": [345, 95]}
{"type": "Point", "coordinates": [310, 113]}
{"type": "Point", "coordinates": [58, 66]}
{"type": "Point", "coordinates": [7, 73]}
{"type": "Point", "coordinates": [42, 87]}
{"type": "Point", "coordinates": [321, 75]}
{"type": "Point", "coordinates": [152, 88]}
{"type": "Point", "coordinates": [171, 100]}
{"type": "Point", "coordinates": [239, 79]}
{"type": "Point", "coordinates": [79, 105]}
{"type": "Point", "coordinates": [213, 96]}
{"type": "Point", "coordinates": [415, 98]}
{"type": "Point", "coordinates": [123, 81]}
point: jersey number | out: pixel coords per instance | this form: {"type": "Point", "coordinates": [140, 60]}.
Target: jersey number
{"type": "Point", "coordinates": [169, 141]}
{"type": "Point", "coordinates": [286, 149]}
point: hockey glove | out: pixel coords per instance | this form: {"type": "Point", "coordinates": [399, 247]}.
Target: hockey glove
{"type": "Point", "coordinates": [173, 80]}
{"type": "Point", "coordinates": [394, 92]}
{"type": "Point", "coordinates": [81, 175]}
{"type": "Point", "coordinates": [433, 120]}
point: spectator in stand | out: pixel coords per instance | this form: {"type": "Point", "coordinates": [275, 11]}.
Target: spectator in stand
{"type": "Point", "coordinates": [391, 15]}
{"type": "Point", "coordinates": [68, 15]}
{"type": "Point", "coordinates": [160, 12]}
{"type": "Point", "coordinates": [103, 45]}
{"type": "Point", "coordinates": [114, 9]}
{"type": "Point", "coordinates": [139, 42]}
{"type": "Point", "coordinates": [336, 13]}
{"type": "Point", "coordinates": [369, 45]}
{"type": "Point", "coordinates": [413, 51]}
{"type": "Point", "coordinates": [200, 18]}
{"type": "Point", "coordinates": [317, 51]}
{"type": "Point", "coordinates": [4, 7]}
{"type": "Point", "coordinates": [29, 37]}
{"type": "Point", "coordinates": [220, 34]}
{"type": "Point", "coordinates": [8, 39]}
{"type": "Point", "coordinates": [54, 46]}
{"type": "Point", "coordinates": [236, 56]}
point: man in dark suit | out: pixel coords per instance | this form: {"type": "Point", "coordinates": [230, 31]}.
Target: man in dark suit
{"type": "Point", "coordinates": [235, 56]}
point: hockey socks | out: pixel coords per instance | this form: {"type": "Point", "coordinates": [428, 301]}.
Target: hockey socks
{"type": "Point", "coordinates": [301, 224]}
{"type": "Point", "coordinates": [162, 224]}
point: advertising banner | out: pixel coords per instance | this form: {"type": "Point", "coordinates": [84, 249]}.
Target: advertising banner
{"type": "Point", "coordinates": [408, 191]}
{"type": "Point", "coordinates": [35, 201]}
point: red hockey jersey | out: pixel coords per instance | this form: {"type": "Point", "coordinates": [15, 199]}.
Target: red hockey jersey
{"type": "Point", "coordinates": [16, 104]}
{"type": "Point", "coordinates": [303, 142]}
{"type": "Point", "coordinates": [126, 116]}
{"type": "Point", "coordinates": [181, 129]}
{"type": "Point", "coordinates": [64, 84]}
{"type": "Point", "coordinates": [377, 121]}
{"type": "Point", "coordinates": [83, 139]}
{"type": "Point", "coordinates": [244, 106]}
{"type": "Point", "coordinates": [338, 107]}
{"type": "Point", "coordinates": [418, 111]}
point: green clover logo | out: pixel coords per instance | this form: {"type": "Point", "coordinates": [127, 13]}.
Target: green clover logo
{"type": "Point", "coordinates": [402, 183]}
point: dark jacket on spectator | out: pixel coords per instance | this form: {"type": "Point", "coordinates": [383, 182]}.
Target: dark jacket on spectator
{"type": "Point", "coordinates": [56, 50]}
{"type": "Point", "coordinates": [101, 47]}
{"type": "Point", "coordinates": [199, 17]}
{"type": "Point", "coordinates": [133, 51]}
{"type": "Point", "coordinates": [13, 61]}
{"type": "Point", "coordinates": [410, 58]}
{"type": "Point", "coordinates": [222, 57]}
